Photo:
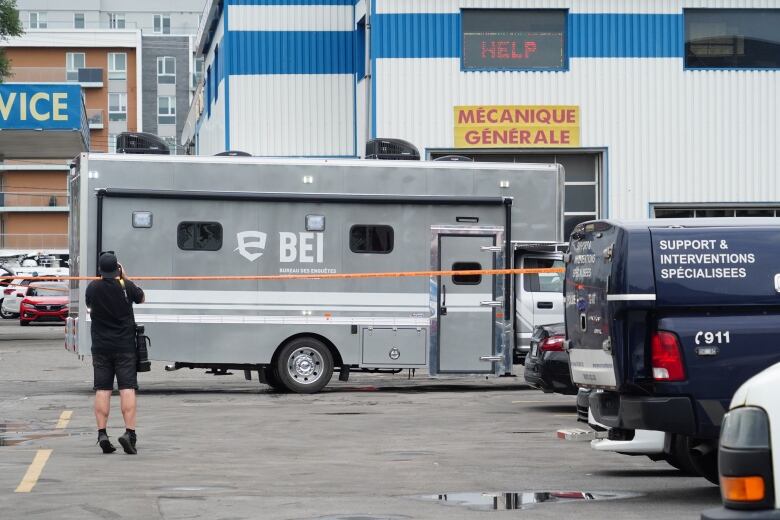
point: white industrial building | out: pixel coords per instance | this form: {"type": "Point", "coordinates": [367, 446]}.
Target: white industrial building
{"type": "Point", "coordinates": [659, 108]}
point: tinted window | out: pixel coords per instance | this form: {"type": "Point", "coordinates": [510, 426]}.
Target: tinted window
{"type": "Point", "coordinates": [199, 236]}
{"type": "Point", "coordinates": [467, 279]}
{"type": "Point", "coordinates": [371, 239]}
{"type": "Point", "coordinates": [543, 282]}
{"type": "Point", "coordinates": [732, 38]}
{"type": "Point", "coordinates": [513, 39]}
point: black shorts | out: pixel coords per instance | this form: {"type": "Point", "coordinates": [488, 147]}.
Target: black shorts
{"type": "Point", "coordinates": [119, 364]}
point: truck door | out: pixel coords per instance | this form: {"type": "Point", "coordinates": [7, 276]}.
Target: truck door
{"type": "Point", "coordinates": [539, 297]}
{"type": "Point", "coordinates": [468, 305]}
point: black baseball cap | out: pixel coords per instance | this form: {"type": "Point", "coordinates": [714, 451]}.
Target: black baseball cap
{"type": "Point", "coordinates": [108, 265]}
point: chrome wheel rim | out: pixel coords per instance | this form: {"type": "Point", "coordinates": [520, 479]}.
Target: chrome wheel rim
{"type": "Point", "coordinates": [305, 366]}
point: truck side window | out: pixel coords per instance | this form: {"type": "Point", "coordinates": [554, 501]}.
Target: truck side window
{"type": "Point", "coordinates": [543, 282]}
{"type": "Point", "coordinates": [467, 279]}
{"type": "Point", "coordinates": [199, 236]}
{"type": "Point", "coordinates": [376, 239]}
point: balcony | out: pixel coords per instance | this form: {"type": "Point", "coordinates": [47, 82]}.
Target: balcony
{"type": "Point", "coordinates": [33, 201]}
{"type": "Point", "coordinates": [33, 241]}
{"type": "Point", "coordinates": [95, 118]}
{"type": "Point", "coordinates": [88, 77]}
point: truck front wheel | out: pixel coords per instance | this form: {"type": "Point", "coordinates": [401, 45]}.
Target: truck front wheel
{"type": "Point", "coordinates": [304, 365]}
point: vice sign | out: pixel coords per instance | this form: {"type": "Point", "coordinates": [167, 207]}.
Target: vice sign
{"type": "Point", "coordinates": [40, 106]}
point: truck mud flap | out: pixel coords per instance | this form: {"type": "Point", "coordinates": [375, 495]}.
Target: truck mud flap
{"type": "Point", "coordinates": [666, 414]}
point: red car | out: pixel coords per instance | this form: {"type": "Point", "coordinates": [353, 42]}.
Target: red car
{"type": "Point", "coordinates": [45, 302]}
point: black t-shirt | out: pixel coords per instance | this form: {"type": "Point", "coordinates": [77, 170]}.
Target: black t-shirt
{"type": "Point", "coordinates": [113, 323]}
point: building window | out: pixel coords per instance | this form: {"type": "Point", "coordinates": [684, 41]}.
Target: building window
{"type": "Point", "coordinates": [732, 38]}
{"type": "Point", "coordinates": [162, 23]}
{"type": "Point", "coordinates": [361, 56]}
{"type": "Point", "coordinates": [514, 39]}
{"type": "Point", "coordinates": [117, 106]}
{"type": "Point", "coordinates": [166, 110]}
{"type": "Point", "coordinates": [371, 239]}
{"type": "Point", "coordinates": [698, 211]}
{"type": "Point", "coordinates": [198, 67]}
{"type": "Point", "coordinates": [199, 236]}
{"type": "Point", "coordinates": [216, 73]}
{"type": "Point", "coordinates": [38, 20]}
{"type": "Point", "coordinates": [166, 70]}
{"type": "Point", "coordinates": [116, 20]}
{"type": "Point", "coordinates": [73, 62]}
{"type": "Point", "coordinates": [117, 65]}
{"type": "Point", "coordinates": [111, 143]}
{"type": "Point", "coordinates": [78, 20]}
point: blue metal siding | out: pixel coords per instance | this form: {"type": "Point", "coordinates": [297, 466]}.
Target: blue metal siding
{"type": "Point", "coordinates": [292, 2]}
{"type": "Point", "coordinates": [291, 52]}
{"type": "Point", "coordinates": [598, 35]}
{"type": "Point", "coordinates": [427, 35]}
{"type": "Point", "coordinates": [610, 35]}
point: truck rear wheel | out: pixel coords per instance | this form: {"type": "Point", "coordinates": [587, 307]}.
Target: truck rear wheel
{"type": "Point", "coordinates": [699, 456]}
{"type": "Point", "coordinates": [681, 462]}
{"type": "Point", "coordinates": [304, 365]}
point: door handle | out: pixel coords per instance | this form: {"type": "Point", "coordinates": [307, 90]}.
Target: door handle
{"type": "Point", "coordinates": [491, 359]}
{"type": "Point", "coordinates": [491, 303]}
{"type": "Point", "coordinates": [443, 311]}
{"type": "Point", "coordinates": [544, 305]}
{"type": "Point", "coordinates": [492, 249]}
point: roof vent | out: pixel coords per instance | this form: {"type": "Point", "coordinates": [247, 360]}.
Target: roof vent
{"type": "Point", "coordinates": [141, 142]}
{"type": "Point", "coordinates": [391, 149]}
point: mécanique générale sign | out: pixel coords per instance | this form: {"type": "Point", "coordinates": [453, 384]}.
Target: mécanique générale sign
{"type": "Point", "coordinates": [517, 126]}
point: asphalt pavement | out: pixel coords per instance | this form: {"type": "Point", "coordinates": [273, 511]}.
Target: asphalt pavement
{"type": "Point", "coordinates": [376, 447]}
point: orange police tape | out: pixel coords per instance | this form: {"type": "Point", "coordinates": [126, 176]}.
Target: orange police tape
{"type": "Point", "coordinates": [283, 277]}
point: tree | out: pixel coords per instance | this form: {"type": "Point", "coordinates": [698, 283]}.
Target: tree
{"type": "Point", "coordinates": [10, 25]}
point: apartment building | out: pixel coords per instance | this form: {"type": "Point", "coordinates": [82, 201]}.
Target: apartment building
{"type": "Point", "coordinates": [170, 71]}
{"type": "Point", "coordinates": [148, 16]}
{"type": "Point", "coordinates": [106, 64]}
{"type": "Point", "coordinates": [134, 62]}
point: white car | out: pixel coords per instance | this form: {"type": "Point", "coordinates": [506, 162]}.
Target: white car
{"type": "Point", "coordinates": [13, 294]}
{"type": "Point", "coordinates": [749, 451]}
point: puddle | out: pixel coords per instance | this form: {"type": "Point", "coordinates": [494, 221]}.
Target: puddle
{"type": "Point", "coordinates": [503, 501]}
{"type": "Point", "coordinates": [190, 489]}
{"type": "Point", "coordinates": [363, 517]}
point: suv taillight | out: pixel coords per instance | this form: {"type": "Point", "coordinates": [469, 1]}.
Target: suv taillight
{"type": "Point", "coordinates": [552, 344]}
{"type": "Point", "coordinates": [667, 361]}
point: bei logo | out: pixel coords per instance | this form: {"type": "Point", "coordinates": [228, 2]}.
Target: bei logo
{"type": "Point", "coordinates": [251, 244]}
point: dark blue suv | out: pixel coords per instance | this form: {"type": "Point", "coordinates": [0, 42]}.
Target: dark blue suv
{"type": "Point", "coordinates": [669, 318]}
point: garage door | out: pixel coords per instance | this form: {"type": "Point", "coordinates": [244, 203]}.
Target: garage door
{"type": "Point", "coordinates": [583, 176]}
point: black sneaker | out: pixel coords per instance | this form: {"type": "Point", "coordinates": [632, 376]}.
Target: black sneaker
{"type": "Point", "coordinates": [105, 443]}
{"type": "Point", "coordinates": [128, 443]}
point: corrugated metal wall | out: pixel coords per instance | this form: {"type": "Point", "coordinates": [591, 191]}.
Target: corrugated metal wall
{"type": "Point", "coordinates": [669, 134]}
{"type": "Point", "coordinates": [210, 128]}
{"type": "Point", "coordinates": [292, 81]}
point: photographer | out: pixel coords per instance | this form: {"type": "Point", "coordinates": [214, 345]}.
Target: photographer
{"type": "Point", "coordinates": [110, 303]}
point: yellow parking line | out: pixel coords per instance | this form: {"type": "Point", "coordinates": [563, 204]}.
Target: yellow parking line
{"type": "Point", "coordinates": [33, 472]}
{"type": "Point", "coordinates": [64, 420]}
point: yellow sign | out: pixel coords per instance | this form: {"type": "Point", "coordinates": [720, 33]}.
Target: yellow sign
{"type": "Point", "coordinates": [519, 126]}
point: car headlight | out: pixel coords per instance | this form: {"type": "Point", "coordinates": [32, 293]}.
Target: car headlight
{"type": "Point", "coordinates": [745, 462]}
